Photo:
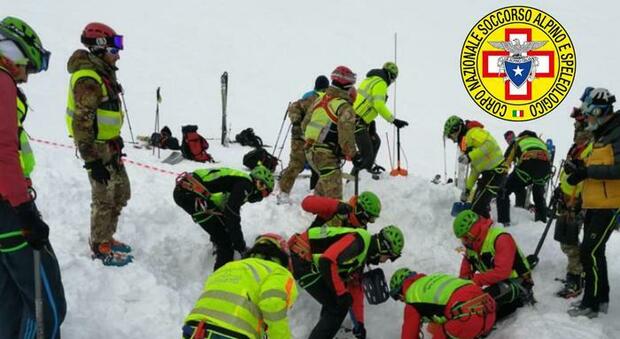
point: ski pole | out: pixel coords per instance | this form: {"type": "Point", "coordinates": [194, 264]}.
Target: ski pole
{"type": "Point", "coordinates": [38, 298]}
{"type": "Point", "coordinates": [283, 143]}
{"type": "Point", "coordinates": [445, 162]}
{"type": "Point", "coordinates": [357, 185]}
{"type": "Point", "coordinates": [127, 114]}
{"type": "Point", "coordinates": [158, 98]}
{"type": "Point", "coordinates": [275, 145]}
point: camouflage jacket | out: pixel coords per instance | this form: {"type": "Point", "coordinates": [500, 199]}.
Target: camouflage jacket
{"type": "Point", "coordinates": [346, 122]}
{"type": "Point", "coordinates": [299, 112]}
{"type": "Point", "coordinates": [88, 97]}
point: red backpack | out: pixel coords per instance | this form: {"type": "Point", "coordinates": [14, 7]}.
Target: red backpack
{"type": "Point", "coordinates": [194, 146]}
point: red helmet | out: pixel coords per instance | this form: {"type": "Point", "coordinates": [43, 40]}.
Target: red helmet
{"type": "Point", "coordinates": [343, 76]}
{"type": "Point", "coordinates": [98, 36]}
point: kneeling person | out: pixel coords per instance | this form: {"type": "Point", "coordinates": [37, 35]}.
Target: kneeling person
{"type": "Point", "coordinates": [213, 197]}
{"type": "Point", "coordinates": [455, 308]}
{"type": "Point", "coordinates": [494, 261]}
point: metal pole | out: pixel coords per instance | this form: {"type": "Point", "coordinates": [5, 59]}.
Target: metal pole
{"type": "Point", "coordinates": [224, 83]}
{"type": "Point", "coordinates": [122, 96]}
{"type": "Point", "coordinates": [275, 145]}
{"type": "Point", "coordinates": [158, 98]}
{"type": "Point", "coordinates": [394, 95]}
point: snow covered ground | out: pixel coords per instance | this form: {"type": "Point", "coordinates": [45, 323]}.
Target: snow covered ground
{"type": "Point", "coordinates": [272, 51]}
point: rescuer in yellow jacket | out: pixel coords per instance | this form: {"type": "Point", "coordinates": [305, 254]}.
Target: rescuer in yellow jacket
{"type": "Point", "coordinates": [371, 102]}
{"type": "Point", "coordinates": [248, 298]}
{"type": "Point", "coordinates": [485, 159]}
{"type": "Point", "coordinates": [600, 173]}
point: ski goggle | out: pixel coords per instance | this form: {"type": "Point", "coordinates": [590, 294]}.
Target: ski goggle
{"type": "Point", "coordinates": [115, 41]}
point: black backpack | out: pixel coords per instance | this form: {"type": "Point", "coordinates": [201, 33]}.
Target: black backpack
{"type": "Point", "coordinates": [165, 140]}
{"type": "Point", "coordinates": [248, 138]}
{"type": "Point", "coordinates": [251, 159]}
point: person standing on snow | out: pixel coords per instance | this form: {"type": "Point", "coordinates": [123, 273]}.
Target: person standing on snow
{"type": "Point", "coordinates": [213, 198]}
{"type": "Point", "coordinates": [493, 261]}
{"type": "Point", "coordinates": [330, 134]}
{"type": "Point", "coordinates": [94, 120]}
{"type": "Point", "coordinates": [532, 167]}
{"type": "Point", "coordinates": [370, 102]}
{"type": "Point", "coordinates": [453, 307]}
{"type": "Point", "coordinates": [329, 262]}
{"type": "Point", "coordinates": [22, 229]}
{"type": "Point", "coordinates": [248, 298]}
{"type": "Point", "coordinates": [569, 212]}
{"type": "Point", "coordinates": [299, 112]}
{"type": "Point", "coordinates": [600, 174]}
{"type": "Point", "coordinates": [484, 157]}
{"type": "Point", "coordinates": [358, 212]}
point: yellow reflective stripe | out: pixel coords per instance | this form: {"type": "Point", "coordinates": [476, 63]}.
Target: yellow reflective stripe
{"type": "Point", "coordinates": [273, 293]}
{"type": "Point", "coordinates": [227, 318]}
{"type": "Point", "coordinates": [267, 268]}
{"type": "Point", "coordinates": [254, 272]}
{"type": "Point", "coordinates": [275, 316]}
{"type": "Point", "coordinates": [235, 299]}
{"type": "Point", "coordinates": [108, 120]}
{"type": "Point", "coordinates": [70, 112]}
{"type": "Point", "coordinates": [25, 148]}
{"type": "Point", "coordinates": [439, 291]}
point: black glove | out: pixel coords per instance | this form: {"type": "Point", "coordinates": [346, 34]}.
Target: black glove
{"type": "Point", "coordinates": [358, 160]}
{"type": "Point", "coordinates": [98, 172]}
{"type": "Point", "coordinates": [36, 230]}
{"type": "Point", "coordinates": [359, 331]}
{"type": "Point", "coordinates": [576, 170]}
{"type": "Point", "coordinates": [344, 208]}
{"type": "Point", "coordinates": [400, 123]}
{"type": "Point", "coordinates": [344, 300]}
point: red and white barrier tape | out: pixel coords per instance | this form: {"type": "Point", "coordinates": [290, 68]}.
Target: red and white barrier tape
{"type": "Point", "coordinates": [136, 163]}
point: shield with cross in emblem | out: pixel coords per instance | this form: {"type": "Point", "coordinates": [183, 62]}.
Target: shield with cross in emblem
{"type": "Point", "coordinates": [518, 70]}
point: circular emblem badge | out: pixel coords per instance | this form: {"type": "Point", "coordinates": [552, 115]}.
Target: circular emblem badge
{"type": "Point", "coordinates": [518, 63]}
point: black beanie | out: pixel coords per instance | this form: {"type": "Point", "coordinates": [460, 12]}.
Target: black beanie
{"type": "Point", "coordinates": [321, 83]}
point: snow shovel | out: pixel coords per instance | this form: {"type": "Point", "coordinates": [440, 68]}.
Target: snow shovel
{"type": "Point", "coordinates": [533, 259]}
{"type": "Point", "coordinates": [398, 170]}
{"type": "Point", "coordinates": [375, 287]}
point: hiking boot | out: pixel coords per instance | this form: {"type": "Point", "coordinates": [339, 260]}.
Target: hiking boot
{"type": "Point", "coordinates": [118, 246]}
{"type": "Point", "coordinates": [579, 311]}
{"type": "Point", "coordinates": [283, 198]}
{"type": "Point", "coordinates": [103, 251]}
{"type": "Point", "coordinates": [573, 286]}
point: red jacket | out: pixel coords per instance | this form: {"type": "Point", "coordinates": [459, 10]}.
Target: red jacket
{"type": "Point", "coordinates": [412, 319]}
{"type": "Point", "coordinates": [505, 254]}
{"type": "Point", "coordinates": [340, 251]}
{"type": "Point", "coordinates": [13, 185]}
{"type": "Point", "coordinates": [326, 208]}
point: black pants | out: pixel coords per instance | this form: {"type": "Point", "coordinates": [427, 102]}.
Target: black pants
{"type": "Point", "coordinates": [212, 224]}
{"type": "Point", "coordinates": [368, 144]}
{"type": "Point", "coordinates": [17, 292]}
{"type": "Point", "coordinates": [487, 186]}
{"type": "Point", "coordinates": [598, 226]}
{"type": "Point", "coordinates": [530, 172]}
{"type": "Point", "coordinates": [508, 295]}
{"type": "Point", "coordinates": [332, 314]}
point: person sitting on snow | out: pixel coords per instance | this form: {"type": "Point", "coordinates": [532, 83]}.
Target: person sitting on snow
{"type": "Point", "coordinates": [213, 197]}
{"type": "Point", "coordinates": [357, 212]}
{"type": "Point", "coordinates": [453, 307]}
{"type": "Point", "coordinates": [493, 261]}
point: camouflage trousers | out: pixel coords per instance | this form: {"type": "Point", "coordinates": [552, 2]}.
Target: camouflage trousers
{"type": "Point", "coordinates": [107, 203]}
{"type": "Point", "coordinates": [295, 166]}
{"type": "Point", "coordinates": [574, 262]}
{"type": "Point", "coordinates": [327, 164]}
